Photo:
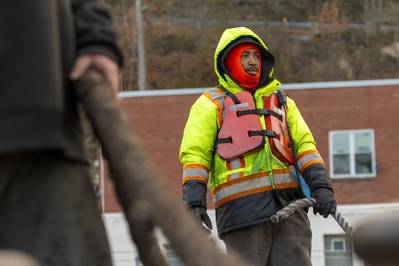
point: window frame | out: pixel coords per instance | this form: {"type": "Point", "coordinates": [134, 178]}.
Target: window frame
{"type": "Point", "coordinates": [352, 162]}
{"type": "Point", "coordinates": [331, 254]}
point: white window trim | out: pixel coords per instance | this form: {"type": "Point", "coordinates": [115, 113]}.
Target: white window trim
{"type": "Point", "coordinates": [352, 154]}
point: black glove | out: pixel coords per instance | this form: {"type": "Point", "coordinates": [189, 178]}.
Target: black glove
{"type": "Point", "coordinates": [325, 202]}
{"type": "Point", "coordinates": [202, 216]}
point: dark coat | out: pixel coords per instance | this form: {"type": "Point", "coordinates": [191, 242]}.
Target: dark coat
{"type": "Point", "coordinates": [38, 45]}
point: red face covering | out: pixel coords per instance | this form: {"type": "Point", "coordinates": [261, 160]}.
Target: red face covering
{"type": "Point", "coordinates": [237, 72]}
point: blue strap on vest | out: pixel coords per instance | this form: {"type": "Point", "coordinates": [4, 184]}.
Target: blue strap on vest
{"type": "Point", "coordinates": [302, 184]}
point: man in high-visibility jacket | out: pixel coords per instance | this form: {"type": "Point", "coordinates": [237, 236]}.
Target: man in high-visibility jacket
{"type": "Point", "coordinates": [242, 139]}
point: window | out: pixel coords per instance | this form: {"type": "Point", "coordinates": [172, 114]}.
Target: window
{"type": "Point", "coordinates": [338, 250]}
{"type": "Point", "coordinates": [352, 153]}
{"type": "Point", "coordinates": [338, 244]}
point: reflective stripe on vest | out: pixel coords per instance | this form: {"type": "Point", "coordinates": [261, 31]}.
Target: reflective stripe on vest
{"type": "Point", "coordinates": [253, 184]}
{"type": "Point", "coordinates": [236, 164]}
{"type": "Point", "coordinates": [216, 96]}
{"type": "Point", "coordinates": [308, 158]}
{"type": "Point", "coordinates": [197, 172]}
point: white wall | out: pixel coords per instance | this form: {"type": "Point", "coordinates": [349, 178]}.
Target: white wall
{"type": "Point", "coordinates": [124, 253]}
{"type": "Point", "coordinates": [353, 214]}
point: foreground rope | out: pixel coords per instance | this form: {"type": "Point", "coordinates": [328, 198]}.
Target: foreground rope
{"type": "Point", "coordinates": [303, 203]}
{"type": "Point", "coordinates": [144, 196]}
{"type": "Point", "coordinates": [376, 240]}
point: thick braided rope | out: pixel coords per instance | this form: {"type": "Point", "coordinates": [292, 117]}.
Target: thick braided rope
{"type": "Point", "coordinates": [341, 221]}
{"type": "Point", "coordinates": [291, 209]}
{"type": "Point", "coordinates": [303, 203]}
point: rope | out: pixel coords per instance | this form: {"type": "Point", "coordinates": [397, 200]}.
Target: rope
{"type": "Point", "coordinates": [303, 203]}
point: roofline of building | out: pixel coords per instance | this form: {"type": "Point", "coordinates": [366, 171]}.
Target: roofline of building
{"type": "Point", "coordinates": [288, 86]}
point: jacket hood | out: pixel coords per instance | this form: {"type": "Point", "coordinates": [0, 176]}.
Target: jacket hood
{"type": "Point", "coordinates": [229, 39]}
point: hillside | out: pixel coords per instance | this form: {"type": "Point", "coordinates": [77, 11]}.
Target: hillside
{"type": "Point", "coordinates": [313, 40]}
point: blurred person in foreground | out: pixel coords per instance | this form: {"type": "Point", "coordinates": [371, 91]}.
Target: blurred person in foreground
{"type": "Point", "coordinates": [376, 240]}
{"type": "Point", "coordinates": [47, 204]}
{"type": "Point", "coordinates": [236, 141]}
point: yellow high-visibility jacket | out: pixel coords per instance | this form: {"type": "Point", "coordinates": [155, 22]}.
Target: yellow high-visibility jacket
{"type": "Point", "coordinates": [249, 189]}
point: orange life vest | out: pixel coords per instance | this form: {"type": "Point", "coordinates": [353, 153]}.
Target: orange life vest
{"type": "Point", "coordinates": [242, 131]}
{"type": "Point", "coordinates": [234, 138]}
{"type": "Point", "coordinates": [278, 124]}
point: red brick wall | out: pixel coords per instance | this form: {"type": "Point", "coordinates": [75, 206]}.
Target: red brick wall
{"type": "Point", "coordinates": [358, 108]}
{"type": "Point", "coordinates": [159, 122]}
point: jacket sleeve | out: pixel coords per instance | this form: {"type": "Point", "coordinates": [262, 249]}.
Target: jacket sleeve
{"type": "Point", "coordinates": [197, 149]}
{"type": "Point", "coordinates": [309, 160]}
{"type": "Point", "coordinates": [94, 30]}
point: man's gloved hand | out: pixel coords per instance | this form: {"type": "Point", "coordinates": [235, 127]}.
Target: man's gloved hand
{"type": "Point", "coordinates": [325, 202]}
{"type": "Point", "coordinates": [202, 216]}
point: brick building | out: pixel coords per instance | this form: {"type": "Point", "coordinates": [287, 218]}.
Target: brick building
{"type": "Point", "coordinates": [352, 122]}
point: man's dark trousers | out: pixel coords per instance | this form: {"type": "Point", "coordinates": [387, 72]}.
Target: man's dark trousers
{"type": "Point", "coordinates": [285, 244]}
{"type": "Point", "coordinates": [48, 209]}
